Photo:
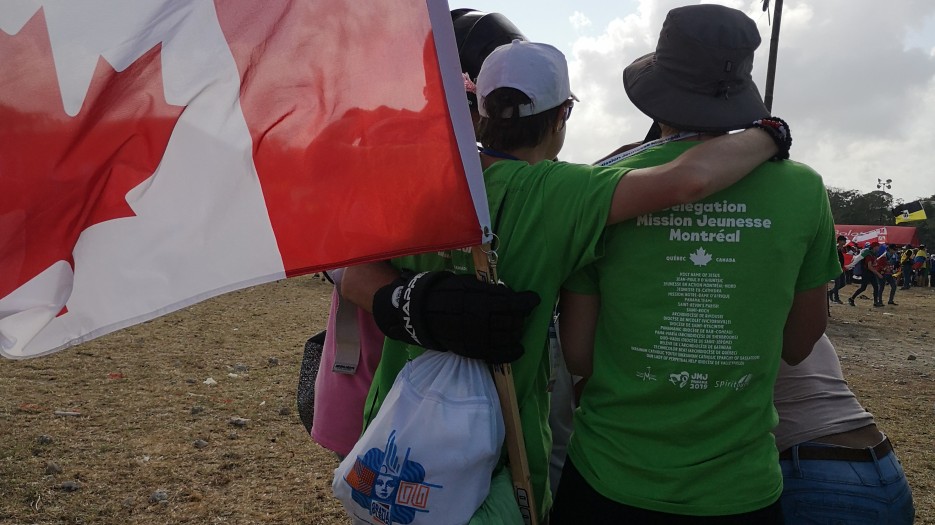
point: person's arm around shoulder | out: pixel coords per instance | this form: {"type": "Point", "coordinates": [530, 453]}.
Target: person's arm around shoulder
{"type": "Point", "coordinates": [577, 323]}
{"type": "Point", "coordinates": [805, 323]}
{"type": "Point", "coordinates": [699, 172]}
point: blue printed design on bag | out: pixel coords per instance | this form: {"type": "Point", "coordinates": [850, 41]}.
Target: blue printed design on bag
{"type": "Point", "coordinates": [391, 492]}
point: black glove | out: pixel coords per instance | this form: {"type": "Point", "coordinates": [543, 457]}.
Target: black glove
{"type": "Point", "coordinates": [456, 313]}
{"type": "Point", "coordinates": [779, 131]}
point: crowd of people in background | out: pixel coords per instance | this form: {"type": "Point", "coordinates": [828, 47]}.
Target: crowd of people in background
{"type": "Point", "coordinates": [877, 266]}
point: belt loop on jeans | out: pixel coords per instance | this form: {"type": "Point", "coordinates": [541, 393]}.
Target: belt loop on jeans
{"type": "Point", "coordinates": [876, 460]}
{"type": "Point", "coordinates": [795, 461]}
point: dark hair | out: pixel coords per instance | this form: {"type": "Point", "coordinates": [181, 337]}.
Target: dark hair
{"type": "Point", "coordinates": [842, 238]}
{"type": "Point", "coordinates": [512, 132]}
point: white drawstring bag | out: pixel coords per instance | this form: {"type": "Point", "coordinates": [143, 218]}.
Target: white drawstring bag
{"type": "Point", "coordinates": [428, 455]}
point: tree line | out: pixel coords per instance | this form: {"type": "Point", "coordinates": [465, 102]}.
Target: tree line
{"type": "Point", "coordinates": [875, 207]}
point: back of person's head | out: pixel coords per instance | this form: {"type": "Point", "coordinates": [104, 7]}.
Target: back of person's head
{"type": "Point", "coordinates": [842, 238]}
{"type": "Point", "coordinates": [699, 77]}
{"type": "Point", "coordinates": [477, 34]}
{"type": "Point", "coordinates": [522, 88]}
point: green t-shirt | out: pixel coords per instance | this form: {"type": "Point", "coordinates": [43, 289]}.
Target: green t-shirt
{"type": "Point", "coordinates": [677, 415]}
{"type": "Point", "coordinates": [550, 219]}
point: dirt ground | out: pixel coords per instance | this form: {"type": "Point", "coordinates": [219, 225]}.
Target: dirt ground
{"type": "Point", "coordinates": [124, 430]}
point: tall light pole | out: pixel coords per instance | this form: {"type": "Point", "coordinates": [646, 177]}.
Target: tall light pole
{"type": "Point", "coordinates": [884, 185]}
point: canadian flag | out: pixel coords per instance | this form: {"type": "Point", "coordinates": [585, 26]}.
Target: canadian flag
{"type": "Point", "coordinates": [154, 154]}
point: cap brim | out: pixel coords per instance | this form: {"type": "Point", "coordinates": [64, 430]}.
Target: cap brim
{"type": "Point", "coordinates": [651, 93]}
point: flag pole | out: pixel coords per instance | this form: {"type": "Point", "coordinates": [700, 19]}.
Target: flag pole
{"type": "Point", "coordinates": [773, 49]}
{"type": "Point", "coordinates": [485, 268]}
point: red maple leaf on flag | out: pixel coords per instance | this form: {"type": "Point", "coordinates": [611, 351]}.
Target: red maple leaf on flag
{"type": "Point", "coordinates": [60, 175]}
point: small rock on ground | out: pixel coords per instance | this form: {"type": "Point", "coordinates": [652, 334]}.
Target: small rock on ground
{"type": "Point", "coordinates": [159, 496]}
{"type": "Point", "coordinates": [70, 486]}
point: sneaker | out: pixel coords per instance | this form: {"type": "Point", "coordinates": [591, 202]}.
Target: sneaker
{"type": "Point", "coordinates": [851, 302]}
{"type": "Point", "coordinates": [838, 301]}
{"type": "Point", "coordinates": [892, 303]}
{"type": "Point", "coordinates": [876, 305]}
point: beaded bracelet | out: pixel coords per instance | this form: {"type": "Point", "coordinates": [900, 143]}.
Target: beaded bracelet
{"type": "Point", "coordinates": [778, 130]}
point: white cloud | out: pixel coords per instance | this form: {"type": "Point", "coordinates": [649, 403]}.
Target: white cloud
{"type": "Point", "coordinates": [579, 20]}
{"type": "Point", "coordinates": [859, 101]}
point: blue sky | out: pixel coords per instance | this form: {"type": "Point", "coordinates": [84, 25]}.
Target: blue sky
{"type": "Point", "coordinates": [855, 81]}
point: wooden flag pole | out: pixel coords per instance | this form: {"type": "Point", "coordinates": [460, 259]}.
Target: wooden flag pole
{"type": "Point", "coordinates": [485, 261]}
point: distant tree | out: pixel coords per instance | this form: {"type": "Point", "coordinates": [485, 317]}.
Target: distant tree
{"type": "Point", "coordinates": [841, 204]}
{"type": "Point", "coordinates": [852, 207]}
{"type": "Point", "coordinates": [926, 228]}
{"type": "Point", "coordinates": [875, 207]}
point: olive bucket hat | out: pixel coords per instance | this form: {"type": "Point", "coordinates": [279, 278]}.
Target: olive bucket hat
{"type": "Point", "coordinates": [698, 79]}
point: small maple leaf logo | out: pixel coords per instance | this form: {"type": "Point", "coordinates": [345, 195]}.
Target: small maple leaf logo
{"type": "Point", "coordinates": [700, 257]}
{"type": "Point", "coordinates": [61, 175]}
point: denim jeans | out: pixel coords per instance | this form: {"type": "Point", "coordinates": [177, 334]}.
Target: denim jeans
{"type": "Point", "coordinates": [868, 279]}
{"type": "Point", "coordinates": [830, 492]}
{"type": "Point", "coordinates": [907, 275]}
{"type": "Point", "coordinates": [887, 280]}
{"type": "Point", "coordinates": [839, 282]}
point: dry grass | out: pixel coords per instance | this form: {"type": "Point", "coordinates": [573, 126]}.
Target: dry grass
{"type": "Point", "coordinates": [888, 356]}
{"type": "Point", "coordinates": [136, 390]}
{"type": "Point", "coordinates": [138, 393]}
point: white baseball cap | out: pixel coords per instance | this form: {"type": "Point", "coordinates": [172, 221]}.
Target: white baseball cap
{"type": "Point", "coordinates": [538, 70]}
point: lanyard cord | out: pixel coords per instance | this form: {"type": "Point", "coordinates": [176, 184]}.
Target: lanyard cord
{"type": "Point", "coordinates": [658, 142]}
{"type": "Point", "coordinates": [498, 154]}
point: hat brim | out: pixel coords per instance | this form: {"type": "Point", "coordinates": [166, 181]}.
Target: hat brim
{"type": "Point", "coordinates": [685, 110]}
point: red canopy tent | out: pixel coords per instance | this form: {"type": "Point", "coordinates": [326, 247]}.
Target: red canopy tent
{"type": "Point", "coordinates": [859, 234]}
